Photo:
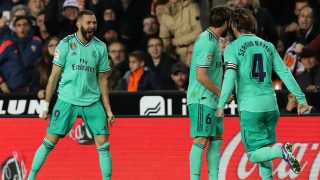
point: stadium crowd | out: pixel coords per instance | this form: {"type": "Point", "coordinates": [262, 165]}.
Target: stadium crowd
{"type": "Point", "coordinates": [150, 42]}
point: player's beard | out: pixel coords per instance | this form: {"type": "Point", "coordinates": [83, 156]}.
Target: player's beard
{"type": "Point", "coordinates": [86, 33]}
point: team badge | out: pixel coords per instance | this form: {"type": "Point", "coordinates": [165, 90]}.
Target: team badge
{"type": "Point", "coordinates": [56, 55]}
{"type": "Point", "coordinates": [94, 54]}
{"type": "Point", "coordinates": [33, 48]}
{"type": "Point", "coordinates": [73, 46]}
{"type": "Point", "coordinates": [209, 57]}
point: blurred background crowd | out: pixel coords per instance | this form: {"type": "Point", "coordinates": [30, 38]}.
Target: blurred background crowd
{"type": "Point", "coordinates": [150, 42]}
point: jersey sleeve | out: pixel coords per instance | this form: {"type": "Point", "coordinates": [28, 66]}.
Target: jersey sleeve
{"type": "Point", "coordinates": [104, 61]}
{"type": "Point", "coordinates": [205, 55]}
{"type": "Point", "coordinates": [230, 59]}
{"type": "Point", "coordinates": [286, 76]}
{"type": "Point", "coordinates": [60, 54]}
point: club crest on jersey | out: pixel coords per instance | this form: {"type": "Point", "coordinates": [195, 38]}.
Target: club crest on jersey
{"type": "Point", "coordinates": [94, 54]}
{"type": "Point", "coordinates": [33, 48]}
{"type": "Point", "coordinates": [209, 57]}
{"type": "Point", "coordinates": [73, 46]}
{"type": "Point", "coordinates": [56, 55]}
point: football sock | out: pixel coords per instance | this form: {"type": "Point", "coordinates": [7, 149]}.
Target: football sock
{"type": "Point", "coordinates": [40, 157]}
{"type": "Point", "coordinates": [105, 161]}
{"type": "Point", "coordinates": [213, 158]}
{"type": "Point", "coordinates": [195, 159]}
{"type": "Point", "coordinates": [265, 154]}
{"type": "Point", "coordinates": [265, 170]}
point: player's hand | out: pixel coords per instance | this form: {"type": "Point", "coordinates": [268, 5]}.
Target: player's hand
{"type": "Point", "coordinates": [219, 112]}
{"type": "Point", "coordinates": [44, 109]}
{"type": "Point", "coordinates": [302, 108]}
{"type": "Point", "coordinates": [110, 117]}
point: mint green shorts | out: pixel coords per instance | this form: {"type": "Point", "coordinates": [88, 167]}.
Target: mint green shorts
{"type": "Point", "coordinates": [64, 115]}
{"type": "Point", "coordinates": [203, 122]}
{"type": "Point", "coordinates": [258, 129]}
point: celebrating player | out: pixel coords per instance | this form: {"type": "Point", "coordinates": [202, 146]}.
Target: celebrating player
{"type": "Point", "coordinates": [81, 60]}
{"type": "Point", "coordinates": [203, 94]}
{"type": "Point", "coordinates": [250, 61]}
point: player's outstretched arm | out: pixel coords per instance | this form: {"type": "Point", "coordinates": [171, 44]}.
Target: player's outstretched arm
{"type": "Point", "coordinates": [227, 87]}
{"type": "Point", "coordinates": [51, 86]}
{"type": "Point", "coordinates": [103, 85]}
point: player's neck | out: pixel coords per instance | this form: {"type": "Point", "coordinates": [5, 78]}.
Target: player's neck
{"type": "Point", "coordinates": [217, 31]}
{"type": "Point", "coordinates": [81, 38]}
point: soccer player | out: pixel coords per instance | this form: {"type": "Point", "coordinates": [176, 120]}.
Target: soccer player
{"type": "Point", "coordinates": [203, 94]}
{"type": "Point", "coordinates": [249, 62]}
{"type": "Point", "coordinates": [81, 61]}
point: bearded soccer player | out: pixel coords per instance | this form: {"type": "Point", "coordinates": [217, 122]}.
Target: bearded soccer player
{"type": "Point", "coordinates": [249, 62]}
{"type": "Point", "coordinates": [81, 61]}
{"type": "Point", "coordinates": [203, 94]}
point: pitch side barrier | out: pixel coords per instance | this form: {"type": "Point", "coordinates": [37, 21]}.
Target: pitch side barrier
{"type": "Point", "coordinates": [131, 104]}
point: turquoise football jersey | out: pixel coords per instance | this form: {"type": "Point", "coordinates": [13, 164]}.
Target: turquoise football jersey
{"type": "Point", "coordinates": [81, 65]}
{"type": "Point", "coordinates": [206, 54]}
{"type": "Point", "coordinates": [253, 60]}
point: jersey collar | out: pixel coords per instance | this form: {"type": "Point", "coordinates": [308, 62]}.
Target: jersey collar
{"type": "Point", "coordinates": [214, 35]}
{"type": "Point", "coordinates": [75, 34]}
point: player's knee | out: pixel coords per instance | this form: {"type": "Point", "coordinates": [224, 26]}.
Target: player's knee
{"type": "Point", "coordinates": [250, 156]}
{"type": "Point", "coordinates": [216, 137]}
{"type": "Point", "coordinates": [201, 140]}
{"type": "Point", "coordinates": [101, 139]}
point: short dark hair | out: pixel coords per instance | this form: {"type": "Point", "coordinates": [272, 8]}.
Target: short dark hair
{"type": "Point", "coordinates": [243, 20]}
{"type": "Point", "coordinates": [219, 15]}
{"type": "Point", "coordinates": [83, 13]}
{"type": "Point", "coordinates": [141, 56]}
{"type": "Point", "coordinates": [18, 18]}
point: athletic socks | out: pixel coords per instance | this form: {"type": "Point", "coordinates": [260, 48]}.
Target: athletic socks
{"type": "Point", "coordinates": [213, 158]}
{"type": "Point", "coordinates": [105, 161]}
{"type": "Point", "coordinates": [264, 157]}
{"type": "Point", "coordinates": [265, 170]}
{"type": "Point", "coordinates": [195, 159]}
{"type": "Point", "coordinates": [40, 157]}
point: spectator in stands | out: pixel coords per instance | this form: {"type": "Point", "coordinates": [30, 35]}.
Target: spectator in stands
{"type": "Point", "coordinates": [18, 54]}
{"type": "Point", "coordinates": [109, 13]}
{"type": "Point", "coordinates": [306, 31]}
{"type": "Point", "coordinates": [109, 32]}
{"type": "Point", "coordinates": [118, 54]}
{"type": "Point", "coordinates": [43, 68]}
{"type": "Point", "coordinates": [314, 46]}
{"type": "Point", "coordinates": [179, 76]}
{"type": "Point", "coordinates": [150, 29]}
{"type": "Point", "coordinates": [160, 63]}
{"type": "Point", "coordinates": [179, 26]}
{"type": "Point", "coordinates": [298, 5]}
{"type": "Point", "coordinates": [139, 77]}
{"type": "Point", "coordinates": [159, 7]}
{"type": "Point", "coordinates": [205, 6]}
{"type": "Point", "coordinates": [6, 25]}
{"type": "Point", "coordinates": [35, 7]}
{"type": "Point", "coordinates": [292, 104]}
{"type": "Point", "coordinates": [6, 5]}
{"type": "Point", "coordinates": [266, 28]}
{"type": "Point", "coordinates": [129, 15]}
{"type": "Point", "coordinates": [65, 24]}
{"type": "Point", "coordinates": [309, 80]}
{"type": "Point", "coordinates": [114, 77]}
{"type": "Point", "coordinates": [43, 32]}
